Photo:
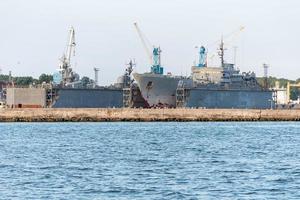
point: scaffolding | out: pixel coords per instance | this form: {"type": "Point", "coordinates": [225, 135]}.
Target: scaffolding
{"type": "Point", "coordinates": [51, 94]}
{"type": "Point", "coordinates": [181, 97]}
{"type": "Point", "coordinates": [127, 97]}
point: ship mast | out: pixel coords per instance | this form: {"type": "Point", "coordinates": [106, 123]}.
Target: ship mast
{"type": "Point", "coordinates": [221, 52]}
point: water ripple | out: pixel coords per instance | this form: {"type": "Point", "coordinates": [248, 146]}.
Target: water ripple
{"type": "Point", "coordinates": [150, 160]}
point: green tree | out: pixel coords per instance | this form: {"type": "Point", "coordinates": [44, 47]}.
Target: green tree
{"type": "Point", "coordinates": [45, 78]}
{"type": "Point", "coordinates": [23, 80]}
{"type": "Point", "coordinates": [4, 77]}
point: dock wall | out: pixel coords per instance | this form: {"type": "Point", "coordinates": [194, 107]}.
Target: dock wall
{"type": "Point", "coordinates": [122, 114]}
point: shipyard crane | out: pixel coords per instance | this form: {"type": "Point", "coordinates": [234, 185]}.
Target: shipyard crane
{"type": "Point", "coordinates": [229, 38]}
{"type": "Point", "coordinates": [143, 40]}
{"type": "Point", "coordinates": [66, 58]}
{"type": "Point", "coordinates": [65, 66]}
{"type": "Point", "coordinates": [202, 61]}
{"type": "Point", "coordinates": [154, 58]}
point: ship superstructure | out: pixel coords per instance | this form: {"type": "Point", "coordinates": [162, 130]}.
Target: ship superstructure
{"type": "Point", "coordinates": [225, 76]}
{"type": "Point", "coordinates": [222, 87]}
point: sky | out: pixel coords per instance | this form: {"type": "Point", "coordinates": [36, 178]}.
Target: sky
{"type": "Point", "coordinates": [34, 33]}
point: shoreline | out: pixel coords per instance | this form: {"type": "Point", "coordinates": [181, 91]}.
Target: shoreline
{"type": "Point", "coordinates": [144, 115]}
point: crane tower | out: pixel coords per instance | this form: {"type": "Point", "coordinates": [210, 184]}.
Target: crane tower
{"type": "Point", "coordinates": [266, 85]}
{"type": "Point", "coordinates": [67, 74]}
{"type": "Point", "coordinates": [96, 71]}
{"type": "Point", "coordinates": [155, 56]}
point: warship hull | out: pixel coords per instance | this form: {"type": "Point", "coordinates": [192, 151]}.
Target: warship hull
{"type": "Point", "coordinates": [240, 99]}
{"type": "Point", "coordinates": [157, 90]}
{"type": "Point", "coordinates": [87, 98]}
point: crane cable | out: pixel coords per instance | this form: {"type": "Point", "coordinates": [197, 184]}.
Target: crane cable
{"type": "Point", "coordinates": [144, 41]}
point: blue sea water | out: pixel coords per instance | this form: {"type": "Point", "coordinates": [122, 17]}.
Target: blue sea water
{"type": "Point", "coordinates": [198, 160]}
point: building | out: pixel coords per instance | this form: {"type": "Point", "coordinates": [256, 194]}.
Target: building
{"type": "Point", "coordinates": [280, 94]}
{"type": "Point", "coordinates": [26, 97]}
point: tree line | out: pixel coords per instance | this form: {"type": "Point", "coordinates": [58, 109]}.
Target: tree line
{"type": "Point", "coordinates": [43, 78]}
{"type": "Point", "coordinates": [27, 80]}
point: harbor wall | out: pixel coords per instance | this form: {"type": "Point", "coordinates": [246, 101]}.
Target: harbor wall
{"type": "Point", "coordinates": [124, 114]}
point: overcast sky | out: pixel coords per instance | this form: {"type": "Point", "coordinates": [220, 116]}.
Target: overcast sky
{"type": "Point", "coordinates": [33, 34]}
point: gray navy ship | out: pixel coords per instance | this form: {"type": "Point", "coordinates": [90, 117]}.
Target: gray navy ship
{"type": "Point", "coordinates": [157, 89]}
{"type": "Point", "coordinates": [68, 90]}
{"type": "Point", "coordinates": [208, 87]}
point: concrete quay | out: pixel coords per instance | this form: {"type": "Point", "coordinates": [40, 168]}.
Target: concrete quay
{"type": "Point", "coordinates": [125, 114]}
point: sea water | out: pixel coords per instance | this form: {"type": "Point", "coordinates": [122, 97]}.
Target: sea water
{"type": "Point", "coordinates": [198, 160]}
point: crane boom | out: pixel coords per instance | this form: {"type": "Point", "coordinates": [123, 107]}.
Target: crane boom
{"type": "Point", "coordinates": [143, 42]}
{"type": "Point", "coordinates": [71, 46]}
{"type": "Point", "coordinates": [232, 36]}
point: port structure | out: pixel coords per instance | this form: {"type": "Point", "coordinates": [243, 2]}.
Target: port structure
{"type": "Point", "coordinates": [96, 71]}
{"type": "Point", "coordinates": [181, 95]}
{"type": "Point", "coordinates": [266, 84]}
{"type": "Point", "coordinates": [126, 97]}
{"type": "Point", "coordinates": [51, 95]}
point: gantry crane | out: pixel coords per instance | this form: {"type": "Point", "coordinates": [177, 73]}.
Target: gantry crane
{"type": "Point", "coordinates": [65, 66]}
{"type": "Point", "coordinates": [154, 57]}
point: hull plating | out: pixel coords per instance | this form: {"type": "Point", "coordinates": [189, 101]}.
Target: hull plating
{"type": "Point", "coordinates": [157, 90]}
{"type": "Point", "coordinates": [229, 99]}
{"type": "Point", "coordinates": [88, 98]}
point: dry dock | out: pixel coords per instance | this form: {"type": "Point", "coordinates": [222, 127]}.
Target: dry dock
{"type": "Point", "coordinates": [83, 115]}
